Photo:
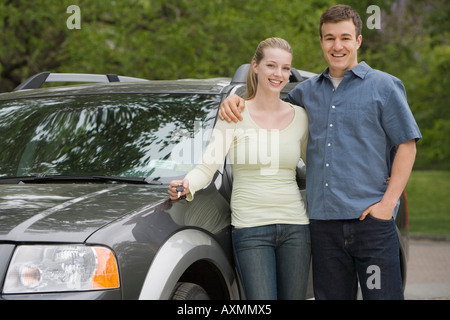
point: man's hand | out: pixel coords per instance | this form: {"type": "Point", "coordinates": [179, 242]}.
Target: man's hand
{"type": "Point", "coordinates": [380, 210]}
{"type": "Point", "coordinates": [231, 108]}
{"type": "Point", "coordinates": [401, 169]}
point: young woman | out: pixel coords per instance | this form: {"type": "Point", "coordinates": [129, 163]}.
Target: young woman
{"type": "Point", "coordinates": [270, 234]}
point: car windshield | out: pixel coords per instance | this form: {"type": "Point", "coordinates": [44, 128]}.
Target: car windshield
{"type": "Point", "coordinates": [155, 136]}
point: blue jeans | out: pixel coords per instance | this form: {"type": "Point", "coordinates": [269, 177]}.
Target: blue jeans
{"type": "Point", "coordinates": [273, 261]}
{"type": "Point", "coordinates": [344, 251]}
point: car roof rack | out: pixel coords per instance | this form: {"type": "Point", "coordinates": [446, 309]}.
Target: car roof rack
{"type": "Point", "coordinates": [240, 76]}
{"type": "Point", "coordinates": [36, 81]}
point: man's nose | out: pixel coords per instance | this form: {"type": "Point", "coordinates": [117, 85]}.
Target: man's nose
{"type": "Point", "coordinates": [337, 45]}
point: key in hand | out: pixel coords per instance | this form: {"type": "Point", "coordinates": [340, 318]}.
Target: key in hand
{"type": "Point", "coordinates": [179, 189]}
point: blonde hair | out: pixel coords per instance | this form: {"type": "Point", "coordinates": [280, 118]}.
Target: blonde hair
{"type": "Point", "coordinates": [252, 77]}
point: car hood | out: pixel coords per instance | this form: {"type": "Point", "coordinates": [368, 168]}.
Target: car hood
{"type": "Point", "coordinates": [68, 212]}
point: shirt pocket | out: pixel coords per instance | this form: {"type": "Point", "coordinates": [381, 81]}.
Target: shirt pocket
{"type": "Point", "coordinates": [361, 120]}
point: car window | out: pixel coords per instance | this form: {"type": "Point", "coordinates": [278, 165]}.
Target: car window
{"type": "Point", "coordinates": [146, 135]}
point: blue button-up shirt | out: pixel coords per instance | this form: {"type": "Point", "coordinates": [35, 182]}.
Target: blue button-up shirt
{"type": "Point", "coordinates": [353, 133]}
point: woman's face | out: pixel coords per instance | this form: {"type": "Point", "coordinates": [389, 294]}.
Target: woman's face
{"type": "Point", "coordinates": [273, 70]}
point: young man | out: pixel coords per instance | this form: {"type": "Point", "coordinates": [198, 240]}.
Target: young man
{"type": "Point", "coordinates": [361, 133]}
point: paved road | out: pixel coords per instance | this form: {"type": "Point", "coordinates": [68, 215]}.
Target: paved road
{"type": "Point", "coordinates": [428, 270]}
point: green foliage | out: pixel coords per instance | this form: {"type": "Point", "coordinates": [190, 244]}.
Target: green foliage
{"type": "Point", "coordinates": [170, 39]}
{"type": "Point", "coordinates": [413, 44]}
{"type": "Point", "coordinates": [153, 39]}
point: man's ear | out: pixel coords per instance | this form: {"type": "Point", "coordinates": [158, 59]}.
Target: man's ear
{"type": "Point", "coordinates": [359, 41]}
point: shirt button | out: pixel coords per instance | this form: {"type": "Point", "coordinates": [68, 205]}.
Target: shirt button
{"type": "Point", "coordinates": [327, 165]}
{"type": "Point", "coordinates": [329, 144]}
{"type": "Point", "coordinates": [334, 107]}
{"type": "Point", "coordinates": [331, 125]}
{"type": "Point", "coordinates": [326, 184]}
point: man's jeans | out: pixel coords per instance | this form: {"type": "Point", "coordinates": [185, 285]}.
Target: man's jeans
{"type": "Point", "coordinates": [273, 261]}
{"type": "Point", "coordinates": [344, 251]}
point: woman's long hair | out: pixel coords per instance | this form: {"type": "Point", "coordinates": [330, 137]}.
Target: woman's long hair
{"type": "Point", "coordinates": [252, 77]}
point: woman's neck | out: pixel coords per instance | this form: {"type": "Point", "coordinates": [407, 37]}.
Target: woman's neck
{"type": "Point", "coordinates": [267, 101]}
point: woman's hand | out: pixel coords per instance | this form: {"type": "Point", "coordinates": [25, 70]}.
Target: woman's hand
{"type": "Point", "coordinates": [172, 189]}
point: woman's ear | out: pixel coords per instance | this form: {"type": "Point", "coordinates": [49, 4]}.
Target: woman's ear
{"type": "Point", "coordinates": [254, 66]}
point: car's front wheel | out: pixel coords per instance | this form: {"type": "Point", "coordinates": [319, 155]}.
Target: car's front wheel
{"type": "Point", "coordinates": [189, 291]}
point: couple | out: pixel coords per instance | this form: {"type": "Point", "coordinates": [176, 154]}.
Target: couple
{"type": "Point", "coordinates": [361, 132]}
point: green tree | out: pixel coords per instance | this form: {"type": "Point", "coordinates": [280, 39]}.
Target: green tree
{"type": "Point", "coordinates": [170, 39]}
{"type": "Point", "coordinates": [413, 44]}
{"type": "Point", "coordinates": [153, 39]}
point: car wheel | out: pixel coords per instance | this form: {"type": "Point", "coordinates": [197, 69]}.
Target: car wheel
{"type": "Point", "coordinates": [189, 291]}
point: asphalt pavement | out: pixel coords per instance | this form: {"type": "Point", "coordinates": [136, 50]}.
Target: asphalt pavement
{"type": "Point", "coordinates": [428, 269]}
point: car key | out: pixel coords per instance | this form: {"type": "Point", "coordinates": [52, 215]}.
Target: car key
{"type": "Point", "coordinates": [179, 189]}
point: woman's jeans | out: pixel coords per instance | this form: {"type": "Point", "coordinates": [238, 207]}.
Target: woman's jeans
{"type": "Point", "coordinates": [273, 261]}
{"type": "Point", "coordinates": [344, 251]}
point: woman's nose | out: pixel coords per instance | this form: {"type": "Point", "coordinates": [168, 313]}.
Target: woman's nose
{"type": "Point", "coordinates": [278, 71]}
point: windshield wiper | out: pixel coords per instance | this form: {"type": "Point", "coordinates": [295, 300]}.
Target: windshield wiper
{"type": "Point", "coordinates": [135, 180]}
{"type": "Point", "coordinates": [112, 179]}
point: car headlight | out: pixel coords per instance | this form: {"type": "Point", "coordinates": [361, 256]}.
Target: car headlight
{"type": "Point", "coordinates": [56, 268]}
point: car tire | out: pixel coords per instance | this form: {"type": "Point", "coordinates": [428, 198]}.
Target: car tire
{"type": "Point", "coordinates": [189, 291]}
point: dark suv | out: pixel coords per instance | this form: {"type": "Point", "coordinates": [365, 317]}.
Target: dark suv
{"type": "Point", "coordinates": [84, 210]}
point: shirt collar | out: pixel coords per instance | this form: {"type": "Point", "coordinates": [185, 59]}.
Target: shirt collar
{"type": "Point", "coordinates": [360, 70]}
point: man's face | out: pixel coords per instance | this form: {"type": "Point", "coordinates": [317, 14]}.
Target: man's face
{"type": "Point", "coordinates": [340, 45]}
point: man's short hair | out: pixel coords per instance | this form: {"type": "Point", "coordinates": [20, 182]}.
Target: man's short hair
{"type": "Point", "coordinates": [340, 13]}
